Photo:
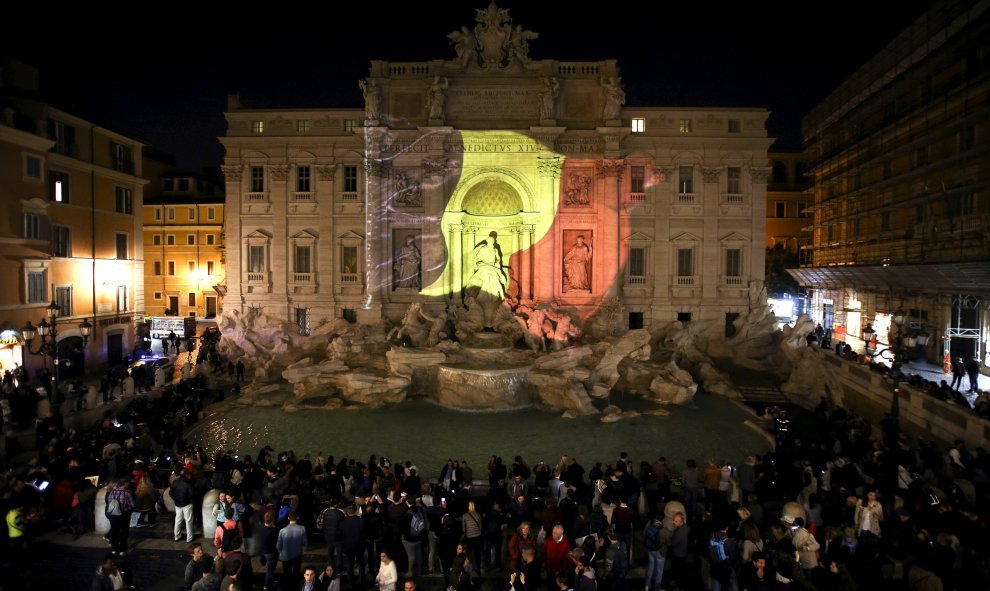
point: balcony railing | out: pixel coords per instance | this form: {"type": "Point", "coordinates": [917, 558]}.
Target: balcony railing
{"type": "Point", "coordinates": [734, 198]}
{"type": "Point", "coordinates": [348, 277]}
{"type": "Point", "coordinates": [637, 197]}
{"type": "Point", "coordinates": [685, 197]}
{"type": "Point", "coordinates": [351, 196]}
{"type": "Point", "coordinates": [257, 197]}
{"type": "Point", "coordinates": [256, 277]}
{"type": "Point", "coordinates": [734, 281]}
{"type": "Point", "coordinates": [305, 197]}
{"type": "Point", "coordinates": [635, 280]}
{"type": "Point", "coordinates": [302, 277]}
{"type": "Point", "coordinates": [685, 281]}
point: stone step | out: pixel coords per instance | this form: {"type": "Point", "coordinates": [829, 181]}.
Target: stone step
{"type": "Point", "coordinates": [763, 394]}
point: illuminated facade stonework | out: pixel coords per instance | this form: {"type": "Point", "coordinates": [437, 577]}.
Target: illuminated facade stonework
{"type": "Point", "coordinates": [591, 205]}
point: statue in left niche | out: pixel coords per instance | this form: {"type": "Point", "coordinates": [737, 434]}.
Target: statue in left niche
{"type": "Point", "coordinates": [372, 100]}
{"type": "Point", "coordinates": [407, 264]}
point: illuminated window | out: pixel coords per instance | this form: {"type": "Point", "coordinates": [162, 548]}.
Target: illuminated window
{"type": "Point", "coordinates": [350, 124]}
{"type": "Point", "coordinates": [190, 239]}
{"type": "Point", "coordinates": [210, 213]}
{"type": "Point", "coordinates": [638, 125]}
{"type": "Point", "coordinates": [302, 179]}
{"type": "Point", "coordinates": [636, 179]}
{"type": "Point", "coordinates": [733, 179]}
{"type": "Point", "coordinates": [120, 244]}
{"type": "Point", "coordinates": [684, 126]}
{"type": "Point", "coordinates": [303, 125]}
{"type": "Point", "coordinates": [58, 186]}
{"type": "Point", "coordinates": [171, 268]}
{"type": "Point", "coordinates": [348, 260]}
{"type": "Point", "coordinates": [32, 167]}
{"type": "Point", "coordinates": [209, 267]}
{"type": "Point", "coordinates": [257, 127]}
{"type": "Point", "coordinates": [63, 299]}
{"type": "Point", "coordinates": [61, 241]}
{"type": "Point", "coordinates": [350, 178]}
{"type": "Point", "coordinates": [685, 262]}
{"type": "Point", "coordinates": [192, 266]}
{"type": "Point", "coordinates": [257, 179]}
{"type": "Point", "coordinates": [122, 199]}
{"type": "Point", "coordinates": [121, 298]}
{"type": "Point", "coordinates": [158, 268]}
{"type": "Point", "coordinates": [209, 239]}
{"type": "Point", "coordinates": [170, 239]}
{"type": "Point", "coordinates": [685, 179]}
{"type": "Point", "coordinates": [156, 240]}
{"type": "Point", "coordinates": [735, 126]}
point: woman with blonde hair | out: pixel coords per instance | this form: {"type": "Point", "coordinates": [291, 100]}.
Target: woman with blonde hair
{"type": "Point", "coordinates": [523, 538]}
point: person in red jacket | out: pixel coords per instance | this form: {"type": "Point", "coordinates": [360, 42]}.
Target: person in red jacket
{"type": "Point", "coordinates": [556, 555]}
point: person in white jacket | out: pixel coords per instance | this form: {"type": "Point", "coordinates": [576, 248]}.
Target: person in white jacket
{"type": "Point", "coordinates": [388, 576]}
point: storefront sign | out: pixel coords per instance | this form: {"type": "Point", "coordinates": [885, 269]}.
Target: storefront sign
{"type": "Point", "coordinates": [10, 337]}
{"type": "Point", "coordinates": [115, 320]}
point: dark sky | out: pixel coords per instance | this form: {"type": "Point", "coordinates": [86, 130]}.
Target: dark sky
{"type": "Point", "coordinates": [164, 77]}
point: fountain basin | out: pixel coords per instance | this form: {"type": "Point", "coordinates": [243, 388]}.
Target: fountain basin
{"type": "Point", "coordinates": [468, 387]}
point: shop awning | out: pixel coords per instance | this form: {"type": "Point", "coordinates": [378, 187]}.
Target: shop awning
{"type": "Point", "coordinates": [970, 278]}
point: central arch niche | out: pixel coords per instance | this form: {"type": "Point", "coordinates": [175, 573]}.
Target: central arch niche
{"type": "Point", "coordinates": [492, 197]}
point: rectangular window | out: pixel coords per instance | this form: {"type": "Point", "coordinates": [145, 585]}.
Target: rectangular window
{"type": "Point", "coordinates": [58, 186]}
{"type": "Point", "coordinates": [302, 258]}
{"type": "Point", "coordinates": [685, 179]}
{"type": "Point", "coordinates": [32, 226]}
{"type": "Point", "coordinates": [171, 214]}
{"type": "Point", "coordinates": [64, 136]}
{"type": "Point", "coordinates": [302, 179]}
{"type": "Point", "coordinates": [158, 268]}
{"type": "Point", "coordinates": [192, 214]}
{"type": "Point", "coordinates": [735, 126]}
{"type": "Point", "coordinates": [257, 127]}
{"type": "Point", "coordinates": [921, 156]}
{"type": "Point", "coordinates": [685, 262]}
{"type": "Point", "coordinates": [733, 262]}
{"type": "Point", "coordinates": [170, 239]}
{"type": "Point", "coordinates": [733, 176]}
{"type": "Point", "coordinates": [637, 262]}
{"type": "Point", "coordinates": [348, 260]}
{"type": "Point", "coordinates": [885, 223]}
{"type": "Point", "coordinates": [257, 179]}
{"type": "Point", "coordinates": [183, 185]}
{"type": "Point", "coordinates": [122, 161]}
{"type": "Point", "coordinates": [123, 200]}
{"type": "Point", "coordinates": [209, 267]}
{"type": "Point", "coordinates": [32, 167]}
{"type": "Point", "coordinates": [638, 125]}
{"type": "Point", "coordinates": [37, 287]}
{"type": "Point", "coordinates": [158, 295]}
{"type": "Point", "coordinates": [61, 241]}
{"type": "Point", "coordinates": [192, 266]}
{"type": "Point", "coordinates": [350, 178]}
{"type": "Point", "coordinates": [350, 124]}
{"type": "Point", "coordinates": [156, 240]}
{"type": "Point", "coordinates": [209, 239]}
{"type": "Point", "coordinates": [192, 299]}
{"type": "Point", "coordinates": [637, 174]}
{"type": "Point", "coordinates": [779, 209]}
{"type": "Point", "coordinates": [171, 268]}
{"type": "Point", "coordinates": [120, 243]}
{"type": "Point", "coordinates": [158, 215]}
{"type": "Point", "coordinates": [63, 299]}
{"type": "Point", "coordinates": [802, 209]}
{"type": "Point", "coordinates": [302, 320]}
{"type": "Point", "coordinates": [684, 126]}
{"type": "Point", "coordinates": [190, 239]}
{"type": "Point", "coordinates": [211, 213]}
{"type": "Point", "coordinates": [303, 125]}
{"type": "Point", "coordinates": [256, 259]}
{"type": "Point", "coordinates": [121, 298]}
{"type": "Point", "coordinates": [168, 185]}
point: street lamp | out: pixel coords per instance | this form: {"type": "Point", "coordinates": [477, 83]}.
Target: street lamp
{"type": "Point", "coordinates": [47, 329]}
{"type": "Point", "coordinates": [895, 366]}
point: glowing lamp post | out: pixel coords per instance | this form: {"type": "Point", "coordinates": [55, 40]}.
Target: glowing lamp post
{"type": "Point", "coordinates": [895, 365]}
{"type": "Point", "coordinates": [47, 329]}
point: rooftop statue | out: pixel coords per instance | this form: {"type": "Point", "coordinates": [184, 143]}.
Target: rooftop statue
{"type": "Point", "coordinates": [494, 42]}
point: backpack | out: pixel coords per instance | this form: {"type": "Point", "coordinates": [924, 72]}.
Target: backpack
{"type": "Point", "coordinates": [418, 525]}
{"type": "Point", "coordinates": [227, 538]}
{"type": "Point", "coordinates": [651, 538]}
{"type": "Point", "coordinates": [283, 513]}
{"type": "Point", "coordinates": [718, 550]}
{"type": "Point", "coordinates": [113, 508]}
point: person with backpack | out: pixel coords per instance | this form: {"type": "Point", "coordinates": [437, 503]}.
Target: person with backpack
{"type": "Point", "coordinates": [119, 505]}
{"type": "Point", "coordinates": [223, 536]}
{"type": "Point", "coordinates": [722, 556]}
{"type": "Point", "coordinates": [656, 540]}
{"type": "Point", "coordinates": [414, 528]}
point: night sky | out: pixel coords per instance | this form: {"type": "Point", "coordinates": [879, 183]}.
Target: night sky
{"type": "Point", "coordinates": [164, 78]}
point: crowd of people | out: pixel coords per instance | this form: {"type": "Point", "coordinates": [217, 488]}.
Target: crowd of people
{"type": "Point", "coordinates": [846, 505]}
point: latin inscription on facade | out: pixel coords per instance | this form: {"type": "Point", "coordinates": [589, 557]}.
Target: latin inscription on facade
{"type": "Point", "coordinates": [509, 103]}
